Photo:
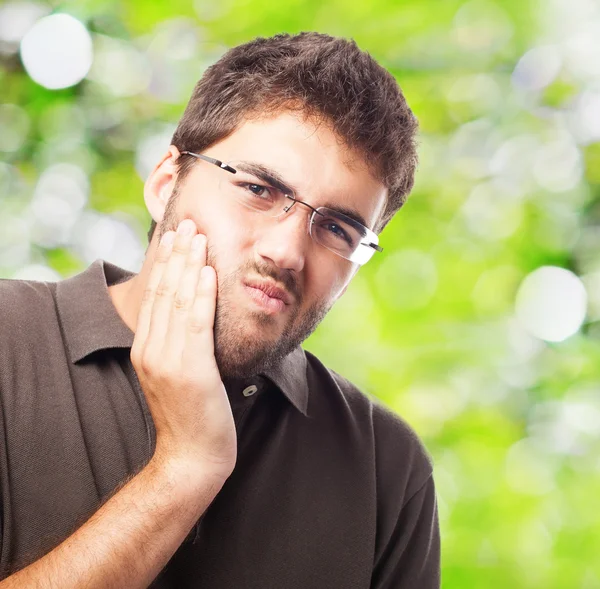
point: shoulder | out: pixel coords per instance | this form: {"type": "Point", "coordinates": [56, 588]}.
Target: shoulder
{"type": "Point", "coordinates": [398, 451]}
{"type": "Point", "coordinates": [22, 304]}
{"type": "Point", "coordinates": [22, 296]}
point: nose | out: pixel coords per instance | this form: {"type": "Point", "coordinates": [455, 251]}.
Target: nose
{"type": "Point", "coordinates": [284, 240]}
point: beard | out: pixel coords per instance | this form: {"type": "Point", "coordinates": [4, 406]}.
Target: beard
{"type": "Point", "coordinates": [243, 346]}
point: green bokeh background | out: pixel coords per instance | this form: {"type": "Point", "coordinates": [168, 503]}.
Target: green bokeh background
{"type": "Point", "coordinates": [508, 98]}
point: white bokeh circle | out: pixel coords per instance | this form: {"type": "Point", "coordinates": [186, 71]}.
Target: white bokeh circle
{"type": "Point", "coordinates": [57, 51]}
{"type": "Point", "coordinates": [551, 303]}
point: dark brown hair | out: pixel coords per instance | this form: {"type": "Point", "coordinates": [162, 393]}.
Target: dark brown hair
{"type": "Point", "coordinates": [326, 78]}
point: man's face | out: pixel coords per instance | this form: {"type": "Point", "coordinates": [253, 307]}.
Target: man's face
{"type": "Point", "coordinates": [244, 245]}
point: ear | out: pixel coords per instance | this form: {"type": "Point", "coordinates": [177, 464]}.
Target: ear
{"type": "Point", "coordinates": [160, 183]}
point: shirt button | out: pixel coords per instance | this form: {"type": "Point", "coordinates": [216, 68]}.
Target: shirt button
{"type": "Point", "coordinates": [248, 391]}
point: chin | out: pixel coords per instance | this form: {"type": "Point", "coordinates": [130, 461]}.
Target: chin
{"type": "Point", "coordinates": [240, 350]}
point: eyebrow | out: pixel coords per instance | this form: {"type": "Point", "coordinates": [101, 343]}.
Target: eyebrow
{"type": "Point", "coordinates": [275, 180]}
{"type": "Point", "coordinates": [267, 175]}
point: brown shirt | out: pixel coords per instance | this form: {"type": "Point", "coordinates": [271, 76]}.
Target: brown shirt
{"type": "Point", "coordinates": [330, 488]}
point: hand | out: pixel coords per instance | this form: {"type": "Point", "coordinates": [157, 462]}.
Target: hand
{"type": "Point", "coordinates": [173, 355]}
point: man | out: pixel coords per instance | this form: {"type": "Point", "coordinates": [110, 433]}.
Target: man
{"type": "Point", "coordinates": [166, 429]}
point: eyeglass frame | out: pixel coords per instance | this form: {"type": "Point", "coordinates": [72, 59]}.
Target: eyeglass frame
{"type": "Point", "coordinates": [232, 170]}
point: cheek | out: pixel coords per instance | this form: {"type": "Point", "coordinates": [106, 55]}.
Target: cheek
{"type": "Point", "coordinates": [213, 219]}
{"type": "Point", "coordinates": [323, 287]}
{"type": "Point", "coordinates": [202, 220]}
{"type": "Point", "coordinates": [226, 252]}
{"type": "Point", "coordinates": [338, 287]}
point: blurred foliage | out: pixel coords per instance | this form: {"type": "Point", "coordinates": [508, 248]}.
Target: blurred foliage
{"type": "Point", "coordinates": [508, 97]}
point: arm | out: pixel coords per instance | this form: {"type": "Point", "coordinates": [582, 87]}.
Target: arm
{"type": "Point", "coordinates": [411, 558]}
{"type": "Point", "coordinates": [132, 536]}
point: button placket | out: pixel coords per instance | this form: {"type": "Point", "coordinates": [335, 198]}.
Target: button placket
{"type": "Point", "coordinates": [242, 408]}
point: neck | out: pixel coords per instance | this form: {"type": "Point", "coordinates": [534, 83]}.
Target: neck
{"type": "Point", "coordinates": [127, 296]}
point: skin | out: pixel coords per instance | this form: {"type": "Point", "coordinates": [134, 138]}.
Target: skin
{"type": "Point", "coordinates": [242, 244]}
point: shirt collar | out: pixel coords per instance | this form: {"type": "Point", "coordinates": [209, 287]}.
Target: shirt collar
{"type": "Point", "coordinates": [92, 323]}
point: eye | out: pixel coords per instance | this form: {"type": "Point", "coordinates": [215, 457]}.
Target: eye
{"type": "Point", "coordinates": [258, 190]}
{"type": "Point", "coordinates": [337, 231]}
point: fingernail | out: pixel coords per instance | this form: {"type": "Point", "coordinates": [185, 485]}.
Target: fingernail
{"type": "Point", "coordinates": [186, 227]}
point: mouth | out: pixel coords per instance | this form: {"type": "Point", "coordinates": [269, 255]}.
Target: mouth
{"type": "Point", "coordinates": [268, 296]}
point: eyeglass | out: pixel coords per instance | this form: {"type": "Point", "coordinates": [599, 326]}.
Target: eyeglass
{"type": "Point", "coordinates": [332, 229]}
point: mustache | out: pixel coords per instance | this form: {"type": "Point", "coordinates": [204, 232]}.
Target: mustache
{"type": "Point", "coordinates": [287, 279]}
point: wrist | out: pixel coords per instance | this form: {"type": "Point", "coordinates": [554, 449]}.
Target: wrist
{"type": "Point", "coordinates": [183, 472]}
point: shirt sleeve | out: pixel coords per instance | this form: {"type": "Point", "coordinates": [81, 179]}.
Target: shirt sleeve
{"type": "Point", "coordinates": [411, 559]}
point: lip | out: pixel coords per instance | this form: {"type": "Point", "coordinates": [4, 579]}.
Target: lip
{"type": "Point", "coordinates": [264, 301]}
{"type": "Point", "coordinates": [271, 290]}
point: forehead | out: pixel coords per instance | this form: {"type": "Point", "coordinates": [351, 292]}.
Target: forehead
{"type": "Point", "coordinates": [311, 158]}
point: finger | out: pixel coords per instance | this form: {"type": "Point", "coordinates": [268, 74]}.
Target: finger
{"type": "Point", "coordinates": [199, 351]}
{"type": "Point", "coordinates": [166, 289]}
{"type": "Point", "coordinates": [145, 312]}
{"type": "Point", "coordinates": [184, 300]}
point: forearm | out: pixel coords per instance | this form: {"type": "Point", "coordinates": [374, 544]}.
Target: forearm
{"type": "Point", "coordinates": [131, 537]}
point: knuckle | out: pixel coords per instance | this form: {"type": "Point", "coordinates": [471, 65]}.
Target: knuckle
{"type": "Point", "coordinates": [147, 295]}
{"type": "Point", "coordinates": [197, 325]}
{"type": "Point", "coordinates": [161, 375]}
{"type": "Point", "coordinates": [180, 248]}
{"type": "Point", "coordinates": [164, 290]}
{"type": "Point", "coordinates": [182, 302]}
{"type": "Point", "coordinates": [162, 255]}
{"type": "Point", "coordinates": [147, 364]}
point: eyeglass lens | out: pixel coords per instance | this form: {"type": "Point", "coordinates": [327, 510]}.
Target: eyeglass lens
{"type": "Point", "coordinates": [330, 228]}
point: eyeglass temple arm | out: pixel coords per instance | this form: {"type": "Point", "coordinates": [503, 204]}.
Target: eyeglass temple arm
{"type": "Point", "coordinates": [374, 246]}
{"type": "Point", "coordinates": [212, 160]}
